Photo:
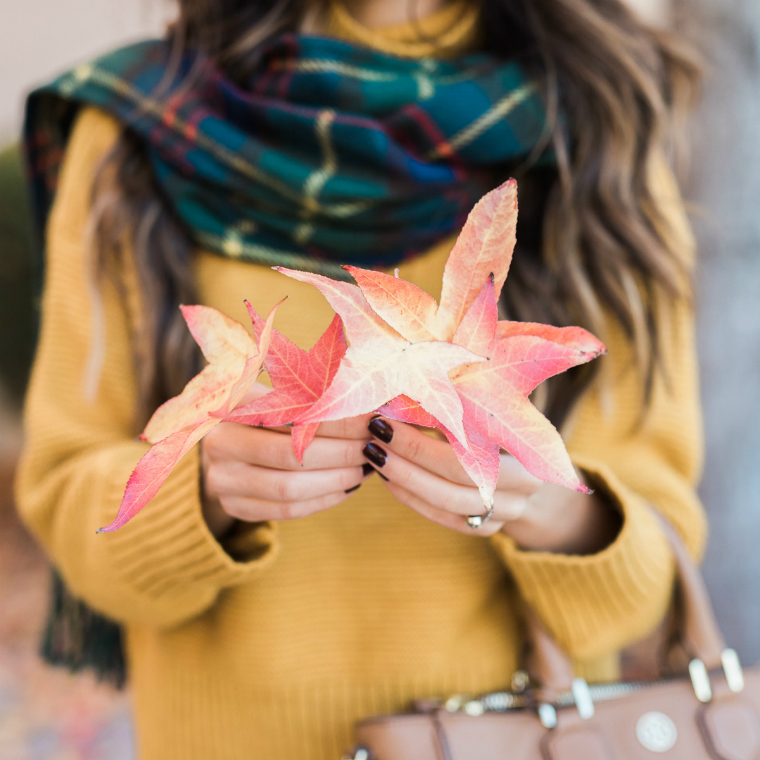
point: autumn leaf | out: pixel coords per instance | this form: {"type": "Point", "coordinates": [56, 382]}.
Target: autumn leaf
{"type": "Point", "coordinates": [495, 392]}
{"type": "Point", "coordinates": [299, 379]}
{"type": "Point", "coordinates": [176, 426]}
{"type": "Point", "coordinates": [227, 346]}
{"type": "Point", "coordinates": [483, 249]}
{"type": "Point", "coordinates": [480, 459]}
{"type": "Point", "coordinates": [381, 363]}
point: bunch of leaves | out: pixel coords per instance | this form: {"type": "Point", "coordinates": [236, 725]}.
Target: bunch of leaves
{"type": "Point", "coordinates": [453, 366]}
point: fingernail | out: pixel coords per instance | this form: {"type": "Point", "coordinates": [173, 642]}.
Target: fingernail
{"type": "Point", "coordinates": [383, 476]}
{"type": "Point", "coordinates": [367, 469]}
{"type": "Point", "coordinates": [381, 429]}
{"type": "Point", "coordinates": [355, 488]}
{"type": "Point", "coordinates": [375, 454]}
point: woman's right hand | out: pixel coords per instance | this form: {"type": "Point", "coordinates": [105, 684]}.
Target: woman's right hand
{"type": "Point", "coordinates": [251, 474]}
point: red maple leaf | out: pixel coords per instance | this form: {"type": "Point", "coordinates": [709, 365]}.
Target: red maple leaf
{"type": "Point", "coordinates": [495, 393]}
{"type": "Point", "coordinates": [299, 379]}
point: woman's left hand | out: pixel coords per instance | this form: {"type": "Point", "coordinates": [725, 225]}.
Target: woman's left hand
{"type": "Point", "coordinates": [423, 473]}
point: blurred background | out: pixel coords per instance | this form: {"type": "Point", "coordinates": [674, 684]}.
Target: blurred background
{"type": "Point", "coordinates": [46, 714]}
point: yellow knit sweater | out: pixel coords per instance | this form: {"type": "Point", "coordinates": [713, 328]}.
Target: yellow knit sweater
{"type": "Point", "coordinates": [270, 645]}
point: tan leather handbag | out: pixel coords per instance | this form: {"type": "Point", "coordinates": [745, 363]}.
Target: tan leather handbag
{"type": "Point", "coordinates": [713, 713]}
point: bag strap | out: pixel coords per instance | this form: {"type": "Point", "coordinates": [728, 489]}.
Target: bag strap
{"type": "Point", "coordinates": [698, 630]}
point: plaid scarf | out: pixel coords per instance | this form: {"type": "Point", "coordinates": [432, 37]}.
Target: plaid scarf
{"type": "Point", "coordinates": [332, 153]}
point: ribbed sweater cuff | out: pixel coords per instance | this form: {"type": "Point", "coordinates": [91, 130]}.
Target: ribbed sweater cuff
{"type": "Point", "coordinates": [599, 603]}
{"type": "Point", "coordinates": [169, 547]}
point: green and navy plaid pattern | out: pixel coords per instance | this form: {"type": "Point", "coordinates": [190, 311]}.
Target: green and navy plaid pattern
{"type": "Point", "coordinates": [332, 154]}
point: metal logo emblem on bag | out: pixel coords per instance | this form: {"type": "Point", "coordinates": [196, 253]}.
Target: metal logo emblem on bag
{"type": "Point", "coordinates": [656, 732]}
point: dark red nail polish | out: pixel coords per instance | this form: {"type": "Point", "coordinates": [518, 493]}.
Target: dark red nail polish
{"type": "Point", "coordinates": [355, 488]}
{"type": "Point", "coordinates": [375, 454]}
{"type": "Point", "coordinates": [382, 476]}
{"type": "Point", "coordinates": [367, 469]}
{"type": "Point", "coordinates": [381, 429]}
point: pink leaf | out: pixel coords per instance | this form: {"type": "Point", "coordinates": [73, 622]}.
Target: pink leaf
{"type": "Point", "coordinates": [484, 247]}
{"type": "Point", "coordinates": [227, 346]}
{"type": "Point", "coordinates": [381, 364]}
{"type": "Point", "coordinates": [229, 380]}
{"type": "Point", "coordinates": [153, 469]}
{"type": "Point", "coordinates": [494, 397]}
{"type": "Point", "coordinates": [299, 379]}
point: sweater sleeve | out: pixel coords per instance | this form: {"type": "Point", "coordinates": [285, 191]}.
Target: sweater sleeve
{"type": "Point", "coordinates": [598, 604]}
{"type": "Point", "coordinates": [164, 567]}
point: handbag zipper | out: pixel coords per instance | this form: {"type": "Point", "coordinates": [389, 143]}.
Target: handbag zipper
{"type": "Point", "coordinates": [506, 701]}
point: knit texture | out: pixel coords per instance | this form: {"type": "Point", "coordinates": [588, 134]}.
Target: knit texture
{"type": "Point", "coordinates": [273, 643]}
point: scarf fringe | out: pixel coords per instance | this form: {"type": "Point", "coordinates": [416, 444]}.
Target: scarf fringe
{"type": "Point", "coordinates": [78, 638]}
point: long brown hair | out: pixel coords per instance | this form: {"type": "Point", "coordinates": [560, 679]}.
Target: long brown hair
{"type": "Point", "coordinates": [596, 243]}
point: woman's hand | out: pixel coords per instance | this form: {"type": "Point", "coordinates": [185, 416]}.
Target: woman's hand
{"type": "Point", "coordinates": [252, 474]}
{"type": "Point", "coordinates": [424, 473]}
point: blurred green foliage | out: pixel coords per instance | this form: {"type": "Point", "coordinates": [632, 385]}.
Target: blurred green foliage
{"type": "Point", "coordinates": [17, 309]}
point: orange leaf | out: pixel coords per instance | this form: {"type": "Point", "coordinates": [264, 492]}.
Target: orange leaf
{"type": "Point", "coordinates": [484, 247]}
{"type": "Point", "coordinates": [227, 346]}
{"type": "Point", "coordinates": [186, 418]}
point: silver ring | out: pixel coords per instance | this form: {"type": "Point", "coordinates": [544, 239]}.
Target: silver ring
{"type": "Point", "coordinates": [478, 521]}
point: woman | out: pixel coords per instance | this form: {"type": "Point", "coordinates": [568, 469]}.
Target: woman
{"type": "Point", "coordinates": [268, 606]}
